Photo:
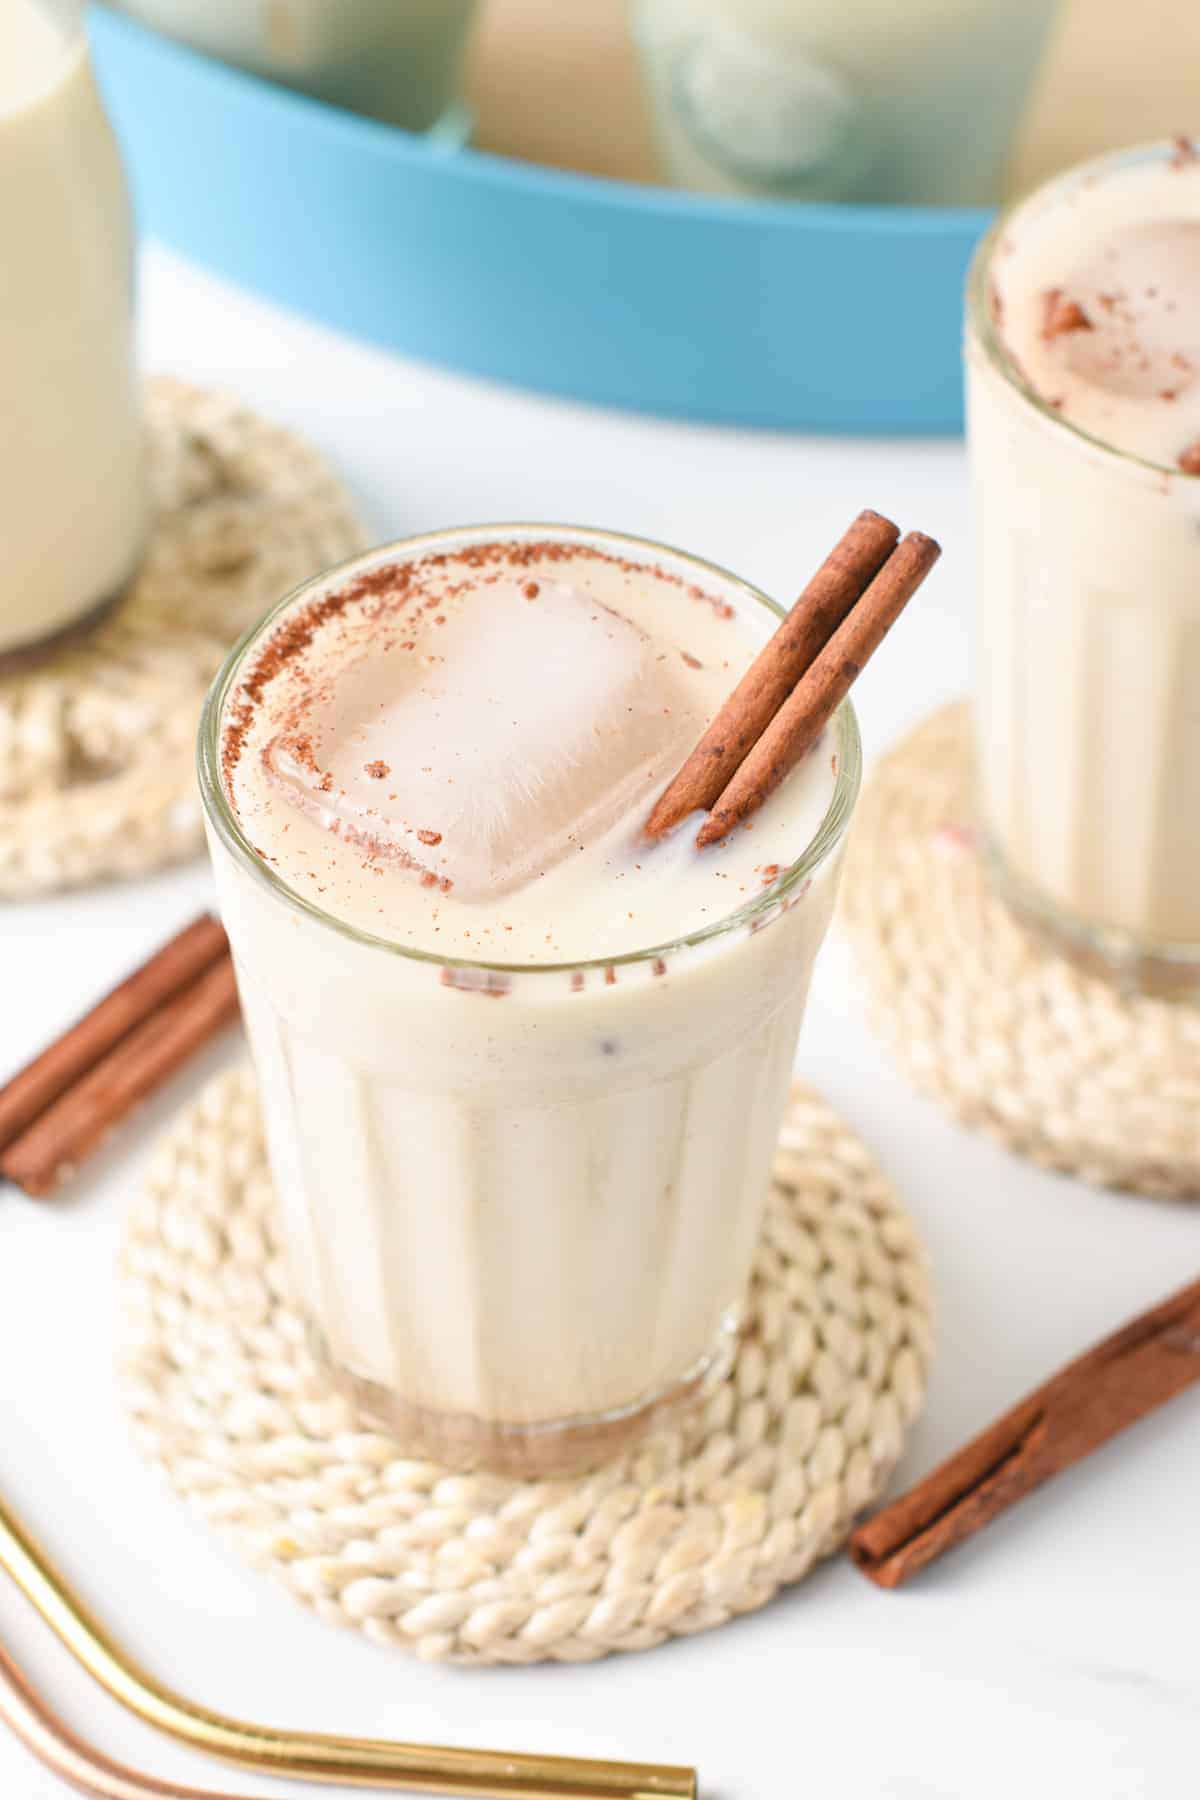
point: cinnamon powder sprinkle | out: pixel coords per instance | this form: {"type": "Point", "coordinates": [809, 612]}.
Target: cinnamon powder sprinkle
{"type": "Point", "coordinates": [658, 966]}
{"type": "Point", "coordinates": [290, 639]}
{"type": "Point", "coordinates": [1061, 315]}
{"type": "Point", "coordinates": [393, 586]}
{"type": "Point", "coordinates": [577, 982]}
{"type": "Point", "coordinates": [384, 593]}
{"type": "Point", "coordinates": [492, 985]}
{"type": "Point", "coordinates": [995, 305]}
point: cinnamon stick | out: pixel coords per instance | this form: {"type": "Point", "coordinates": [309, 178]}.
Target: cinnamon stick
{"type": "Point", "coordinates": [75, 1124]}
{"type": "Point", "coordinates": [850, 566]}
{"type": "Point", "coordinates": [1112, 1385]}
{"type": "Point", "coordinates": [177, 964]}
{"type": "Point", "coordinates": [802, 717]}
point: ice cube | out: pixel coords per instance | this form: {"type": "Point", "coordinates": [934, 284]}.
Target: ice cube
{"type": "Point", "coordinates": [530, 718]}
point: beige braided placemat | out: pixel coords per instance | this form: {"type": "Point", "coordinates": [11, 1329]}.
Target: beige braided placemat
{"type": "Point", "coordinates": [97, 743]}
{"type": "Point", "coordinates": [1011, 1038]}
{"type": "Point", "coordinates": [704, 1521]}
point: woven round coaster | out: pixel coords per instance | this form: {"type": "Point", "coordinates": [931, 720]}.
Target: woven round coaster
{"type": "Point", "coordinates": [1051, 1061]}
{"type": "Point", "coordinates": [97, 743]}
{"type": "Point", "coordinates": [705, 1520]}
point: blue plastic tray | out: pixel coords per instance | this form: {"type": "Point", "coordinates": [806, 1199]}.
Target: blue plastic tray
{"type": "Point", "coordinates": [828, 318]}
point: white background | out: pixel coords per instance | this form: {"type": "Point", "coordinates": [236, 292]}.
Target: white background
{"type": "Point", "coordinates": [1056, 1656]}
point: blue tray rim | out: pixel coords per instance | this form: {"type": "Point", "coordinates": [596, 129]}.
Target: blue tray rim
{"type": "Point", "coordinates": [534, 178]}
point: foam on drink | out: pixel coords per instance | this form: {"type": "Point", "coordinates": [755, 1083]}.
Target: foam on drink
{"type": "Point", "coordinates": [1098, 303]}
{"type": "Point", "coordinates": [461, 758]}
{"type": "Point", "coordinates": [483, 753]}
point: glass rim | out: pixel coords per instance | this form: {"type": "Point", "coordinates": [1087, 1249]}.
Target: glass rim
{"type": "Point", "coordinates": [224, 822]}
{"type": "Point", "coordinates": [981, 325]}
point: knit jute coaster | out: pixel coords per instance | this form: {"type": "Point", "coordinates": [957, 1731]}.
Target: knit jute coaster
{"type": "Point", "coordinates": [705, 1520]}
{"type": "Point", "coordinates": [97, 743]}
{"type": "Point", "coordinates": [1012, 1038]}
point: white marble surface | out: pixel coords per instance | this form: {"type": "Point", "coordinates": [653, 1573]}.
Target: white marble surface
{"type": "Point", "coordinates": [1056, 1656]}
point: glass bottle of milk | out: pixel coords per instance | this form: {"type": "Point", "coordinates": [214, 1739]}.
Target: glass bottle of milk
{"type": "Point", "coordinates": [72, 481]}
{"type": "Point", "coordinates": [395, 60]}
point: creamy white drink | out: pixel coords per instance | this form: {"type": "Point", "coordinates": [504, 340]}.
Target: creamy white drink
{"type": "Point", "coordinates": [1084, 401]}
{"type": "Point", "coordinates": [522, 1072]}
{"type": "Point", "coordinates": [71, 473]}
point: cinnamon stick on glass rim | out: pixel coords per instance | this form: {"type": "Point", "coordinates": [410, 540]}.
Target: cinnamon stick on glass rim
{"type": "Point", "coordinates": [854, 560]}
{"type": "Point", "coordinates": [1118, 1381]}
{"type": "Point", "coordinates": [823, 686]}
{"type": "Point", "coordinates": [796, 682]}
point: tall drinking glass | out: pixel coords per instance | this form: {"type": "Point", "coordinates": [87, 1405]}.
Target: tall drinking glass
{"type": "Point", "coordinates": [1088, 658]}
{"type": "Point", "coordinates": [521, 1200]}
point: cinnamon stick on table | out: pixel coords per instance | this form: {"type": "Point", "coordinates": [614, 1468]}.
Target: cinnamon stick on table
{"type": "Point", "coordinates": [177, 964]}
{"type": "Point", "coordinates": [78, 1122]}
{"type": "Point", "coordinates": [65, 1103]}
{"type": "Point", "coordinates": [854, 560]}
{"type": "Point", "coordinates": [1118, 1381]}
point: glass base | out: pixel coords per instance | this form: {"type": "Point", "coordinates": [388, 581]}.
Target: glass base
{"type": "Point", "coordinates": [28, 655]}
{"type": "Point", "coordinates": [1168, 971]}
{"type": "Point", "coordinates": [535, 1451]}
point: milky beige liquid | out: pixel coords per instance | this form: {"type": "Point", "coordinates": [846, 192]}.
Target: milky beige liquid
{"type": "Point", "coordinates": [71, 476]}
{"type": "Point", "coordinates": [397, 60]}
{"type": "Point", "coordinates": [1089, 543]}
{"type": "Point", "coordinates": [521, 1202]}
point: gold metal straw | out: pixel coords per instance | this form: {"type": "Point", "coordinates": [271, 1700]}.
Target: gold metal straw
{"type": "Point", "coordinates": [45, 1735]}
{"type": "Point", "coordinates": [363, 1762]}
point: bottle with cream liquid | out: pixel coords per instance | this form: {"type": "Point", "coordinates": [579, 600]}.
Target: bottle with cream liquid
{"type": "Point", "coordinates": [72, 484]}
